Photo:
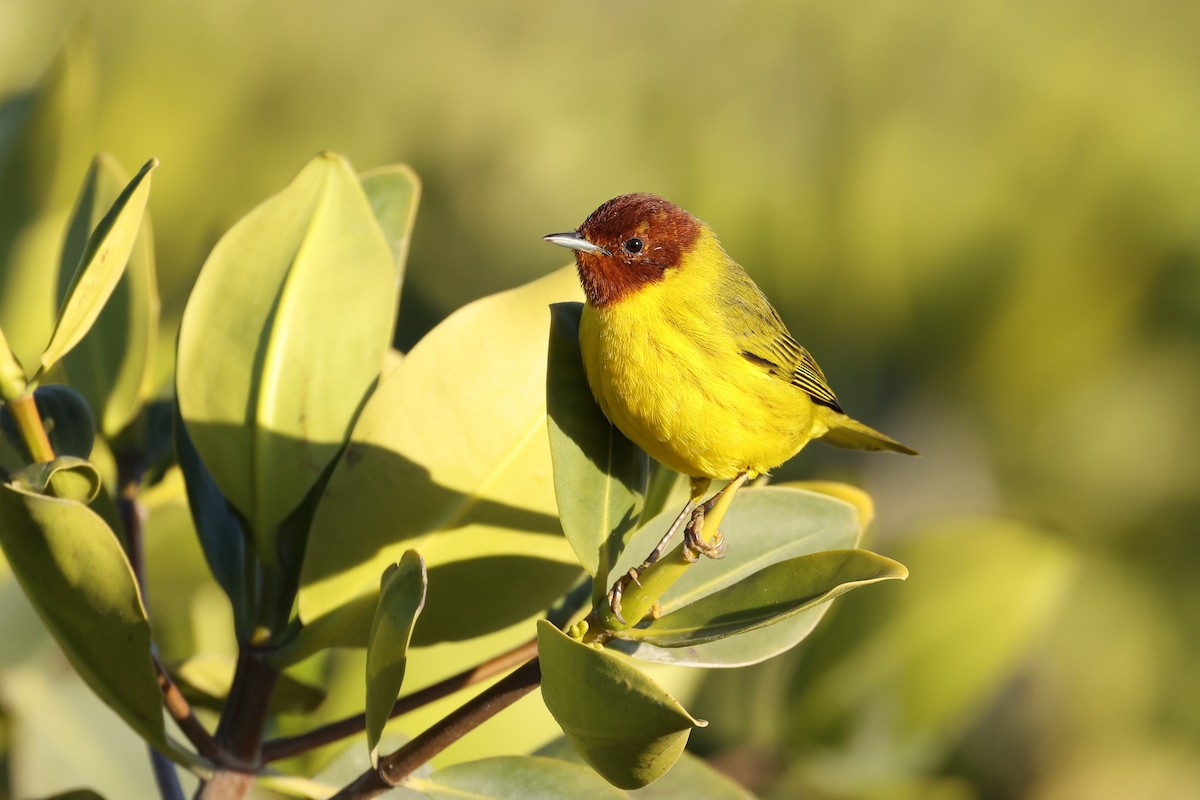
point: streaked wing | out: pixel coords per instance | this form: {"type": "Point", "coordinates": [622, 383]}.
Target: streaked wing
{"type": "Point", "coordinates": [764, 339]}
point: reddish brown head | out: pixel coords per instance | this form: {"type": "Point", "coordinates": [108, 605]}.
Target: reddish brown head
{"type": "Point", "coordinates": [627, 243]}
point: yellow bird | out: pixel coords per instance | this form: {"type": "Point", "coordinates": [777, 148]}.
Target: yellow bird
{"type": "Point", "coordinates": [689, 359]}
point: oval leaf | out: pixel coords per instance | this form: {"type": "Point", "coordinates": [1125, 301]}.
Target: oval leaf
{"type": "Point", "coordinates": [66, 417]}
{"type": "Point", "coordinates": [771, 595]}
{"type": "Point", "coordinates": [112, 365]}
{"type": "Point", "coordinates": [67, 477]}
{"type": "Point", "coordinates": [449, 457]}
{"type": "Point", "coordinates": [620, 721]}
{"type": "Point", "coordinates": [600, 476]}
{"type": "Point", "coordinates": [281, 339]}
{"type": "Point", "coordinates": [764, 526]}
{"type": "Point", "coordinates": [401, 597]}
{"type": "Point", "coordinates": [100, 267]}
{"type": "Point", "coordinates": [76, 575]}
{"type": "Point", "coordinates": [515, 778]}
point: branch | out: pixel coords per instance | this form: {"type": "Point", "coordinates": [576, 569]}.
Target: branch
{"type": "Point", "coordinates": [294, 745]}
{"type": "Point", "coordinates": [397, 766]}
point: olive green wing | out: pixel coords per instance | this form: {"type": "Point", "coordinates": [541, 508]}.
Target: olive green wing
{"type": "Point", "coordinates": [764, 340]}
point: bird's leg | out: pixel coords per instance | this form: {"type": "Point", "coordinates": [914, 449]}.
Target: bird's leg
{"type": "Point", "coordinates": [712, 511]}
{"type": "Point", "coordinates": [699, 488]}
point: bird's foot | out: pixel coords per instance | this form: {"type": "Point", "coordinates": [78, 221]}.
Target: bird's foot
{"type": "Point", "coordinates": [618, 589]}
{"type": "Point", "coordinates": [694, 545]}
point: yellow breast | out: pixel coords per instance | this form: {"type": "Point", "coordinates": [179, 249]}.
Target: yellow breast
{"type": "Point", "coordinates": [667, 372]}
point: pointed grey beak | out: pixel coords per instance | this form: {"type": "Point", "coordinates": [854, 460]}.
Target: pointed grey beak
{"type": "Point", "coordinates": [573, 241]}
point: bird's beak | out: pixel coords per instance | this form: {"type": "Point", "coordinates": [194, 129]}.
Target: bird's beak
{"type": "Point", "coordinates": [573, 241]}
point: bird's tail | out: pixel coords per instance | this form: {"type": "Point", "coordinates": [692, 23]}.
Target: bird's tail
{"type": "Point", "coordinates": [846, 432]}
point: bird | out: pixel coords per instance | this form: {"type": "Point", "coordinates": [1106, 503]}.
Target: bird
{"type": "Point", "coordinates": [687, 357]}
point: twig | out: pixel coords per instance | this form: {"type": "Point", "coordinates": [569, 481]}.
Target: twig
{"type": "Point", "coordinates": [332, 732]}
{"type": "Point", "coordinates": [397, 766]}
{"type": "Point", "coordinates": [181, 711]}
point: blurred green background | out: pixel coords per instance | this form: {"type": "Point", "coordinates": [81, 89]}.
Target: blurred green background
{"type": "Point", "coordinates": [983, 218]}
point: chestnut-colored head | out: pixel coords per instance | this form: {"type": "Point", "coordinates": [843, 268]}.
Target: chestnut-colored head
{"type": "Point", "coordinates": [627, 243]}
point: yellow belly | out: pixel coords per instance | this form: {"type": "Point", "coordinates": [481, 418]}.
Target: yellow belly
{"type": "Point", "coordinates": [673, 385]}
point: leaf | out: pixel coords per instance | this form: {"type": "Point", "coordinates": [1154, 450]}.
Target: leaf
{"type": "Point", "coordinates": [66, 418]}
{"type": "Point", "coordinates": [690, 779]}
{"type": "Point", "coordinates": [600, 477]}
{"type": "Point", "coordinates": [515, 778]}
{"type": "Point", "coordinates": [67, 477]}
{"type": "Point", "coordinates": [394, 193]}
{"type": "Point", "coordinates": [100, 267]}
{"type": "Point", "coordinates": [45, 143]}
{"type": "Point", "coordinates": [449, 457]}
{"type": "Point", "coordinates": [282, 337]}
{"type": "Point", "coordinates": [771, 595]}
{"type": "Point", "coordinates": [112, 365]}
{"type": "Point", "coordinates": [220, 531]}
{"type": "Point", "coordinates": [620, 721]}
{"type": "Point", "coordinates": [764, 526]}
{"type": "Point", "coordinates": [401, 596]}
{"type": "Point", "coordinates": [74, 572]}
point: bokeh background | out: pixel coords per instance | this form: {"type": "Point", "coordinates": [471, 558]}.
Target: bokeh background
{"type": "Point", "coordinates": [983, 218]}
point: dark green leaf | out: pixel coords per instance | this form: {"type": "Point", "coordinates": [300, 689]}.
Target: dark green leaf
{"type": "Point", "coordinates": [620, 721]}
{"type": "Point", "coordinates": [65, 416]}
{"type": "Point", "coordinates": [401, 597]}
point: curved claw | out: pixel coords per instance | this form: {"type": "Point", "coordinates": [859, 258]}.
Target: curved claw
{"type": "Point", "coordinates": [618, 590]}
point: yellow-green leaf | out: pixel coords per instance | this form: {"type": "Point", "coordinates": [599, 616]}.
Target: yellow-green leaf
{"type": "Point", "coordinates": [401, 596]}
{"type": "Point", "coordinates": [619, 720]}
{"type": "Point", "coordinates": [100, 267]}
{"type": "Point", "coordinates": [515, 778]}
{"type": "Point", "coordinates": [76, 575]}
{"type": "Point", "coordinates": [112, 365]}
{"type": "Point", "coordinates": [394, 193]}
{"type": "Point", "coordinates": [449, 457]}
{"type": "Point", "coordinates": [68, 477]}
{"type": "Point", "coordinates": [284, 334]}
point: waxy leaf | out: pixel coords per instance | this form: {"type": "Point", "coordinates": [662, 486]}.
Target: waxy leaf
{"type": "Point", "coordinates": [620, 721]}
{"type": "Point", "coordinates": [100, 267]}
{"type": "Point", "coordinates": [394, 193]}
{"type": "Point", "coordinates": [76, 575]}
{"type": "Point", "coordinates": [68, 477]}
{"type": "Point", "coordinates": [282, 337]}
{"type": "Point", "coordinates": [449, 457]}
{"type": "Point", "coordinates": [401, 597]}
{"type": "Point", "coordinates": [515, 778]}
{"type": "Point", "coordinates": [66, 418]}
{"type": "Point", "coordinates": [690, 779]}
{"type": "Point", "coordinates": [112, 365]}
{"type": "Point", "coordinates": [771, 595]}
{"type": "Point", "coordinates": [600, 476]}
{"type": "Point", "coordinates": [763, 527]}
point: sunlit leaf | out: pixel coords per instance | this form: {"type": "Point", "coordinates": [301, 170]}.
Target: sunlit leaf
{"type": "Point", "coordinates": [67, 477]}
{"type": "Point", "coordinates": [600, 476]}
{"type": "Point", "coordinates": [620, 721]}
{"type": "Point", "coordinates": [100, 267]}
{"type": "Point", "coordinates": [394, 193]}
{"type": "Point", "coordinates": [449, 457]}
{"type": "Point", "coordinates": [771, 595]}
{"type": "Point", "coordinates": [516, 778]}
{"type": "Point", "coordinates": [111, 366]}
{"type": "Point", "coordinates": [76, 574]}
{"type": "Point", "coordinates": [283, 335]}
{"type": "Point", "coordinates": [764, 526]}
{"type": "Point", "coordinates": [401, 596]}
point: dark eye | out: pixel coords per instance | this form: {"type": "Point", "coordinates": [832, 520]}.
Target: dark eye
{"type": "Point", "coordinates": [634, 245]}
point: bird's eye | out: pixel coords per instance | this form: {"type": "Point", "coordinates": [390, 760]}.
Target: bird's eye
{"type": "Point", "coordinates": [634, 245]}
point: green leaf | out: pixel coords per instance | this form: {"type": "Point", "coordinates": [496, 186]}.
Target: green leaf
{"type": "Point", "coordinates": [394, 193]}
{"type": "Point", "coordinates": [771, 595]}
{"type": "Point", "coordinates": [620, 721]}
{"type": "Point", "coordinates": [67, 477]}
{"type": "Point", "coordinates": [401, 596]}
{"type": "Point", "coordinates": [515, 778]}
{"type": "Point", "coordinates": [112, 365]}
{"type": "Point", "coordinates": [65, 416]}
{"type": "Point", "coordinates": [100, 267]}
{"type": "Point", "coordinates": [220, 531]}
{"type": "Point", "coordinates": [763, 527]}
{"type": "Point", "coordinates": [690, 779]}
{"type": "Point", "coordinates": [449, 457]}
{"type": "Point", "coordinates": [45, 144]}
{"type": "Point", "coordinates": [600, 477]}
{"type": "Point", "coordinates": [283, 336]}
{"type": "Point", "coordinates": [76, 575]}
